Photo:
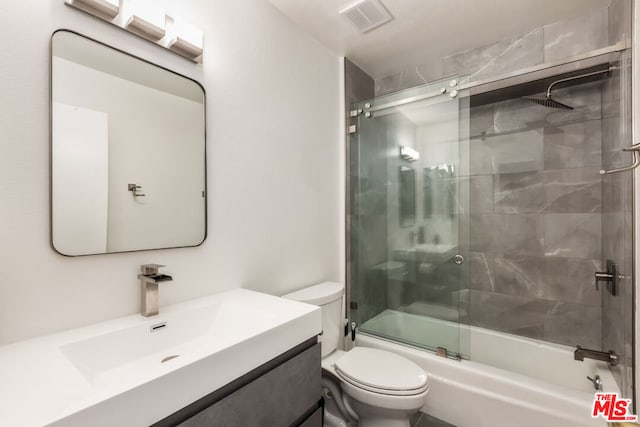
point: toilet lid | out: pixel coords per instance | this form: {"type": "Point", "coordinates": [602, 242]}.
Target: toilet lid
{"type": "Point", "coordinates": [381, 370]}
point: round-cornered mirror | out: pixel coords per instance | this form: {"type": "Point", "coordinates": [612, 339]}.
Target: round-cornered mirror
{"type": "Point", "coordinates": [127, 152]}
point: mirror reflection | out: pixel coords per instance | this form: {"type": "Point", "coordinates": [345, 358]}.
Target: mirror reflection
{"type": "Point", "coordinates": [439, 191]}
{"type": "Point", "coordinates": [127, 152]}
{"type": "Point", "coordinates": [407, 196]}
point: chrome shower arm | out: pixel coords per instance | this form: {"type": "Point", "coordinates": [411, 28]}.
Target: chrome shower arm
{"type": "Point", "coordinates": [581, 76]}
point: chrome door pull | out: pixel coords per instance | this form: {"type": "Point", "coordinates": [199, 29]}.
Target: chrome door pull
{"type": "Point", "coordinates": [458, 259]}
{"type": "Point", "coordinates": [636, 161]}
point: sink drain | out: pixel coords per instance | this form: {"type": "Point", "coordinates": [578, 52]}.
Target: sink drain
{"type": "Point", "coordinates": [166, 359]}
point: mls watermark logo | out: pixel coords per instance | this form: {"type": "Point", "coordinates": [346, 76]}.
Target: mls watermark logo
{"type": "Point", "coordinates": [612, 408]}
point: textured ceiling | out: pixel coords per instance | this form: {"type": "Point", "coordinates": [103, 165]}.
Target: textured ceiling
{"type": "Point", "coordinates": [424, 31]}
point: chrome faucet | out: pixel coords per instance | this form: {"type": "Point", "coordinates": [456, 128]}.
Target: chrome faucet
{"type": "Point", "coordinates": [149, 279]}
{"type": "Point", "coordinates": [582, 353]}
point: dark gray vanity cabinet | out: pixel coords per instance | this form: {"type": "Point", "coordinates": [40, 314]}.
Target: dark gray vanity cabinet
{"type": "Point", "coordinates": [284, 392]}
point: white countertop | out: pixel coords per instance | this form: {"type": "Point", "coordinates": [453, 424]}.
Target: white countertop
{"type": "Point", "coordinates": [59, 379]}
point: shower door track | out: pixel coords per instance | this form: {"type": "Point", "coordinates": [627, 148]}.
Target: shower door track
{"type": "Point", "coordinates": [575, 64]}
{"type": "Point", "coordinates": [405, 101]}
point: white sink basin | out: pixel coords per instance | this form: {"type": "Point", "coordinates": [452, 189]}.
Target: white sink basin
{"type": "Point", "coordinates": [113, 373]}
{"type": "Point", "coordinates": [183, 333]}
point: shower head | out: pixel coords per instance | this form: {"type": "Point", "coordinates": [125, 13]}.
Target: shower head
{"type": "Point", "coordinates": [548, 102]}
{"type": "Point", "coordinates": [552, 103]}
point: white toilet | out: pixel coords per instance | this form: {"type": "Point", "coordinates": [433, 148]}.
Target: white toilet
{"type": "Point", "coordinates": [376, 388]}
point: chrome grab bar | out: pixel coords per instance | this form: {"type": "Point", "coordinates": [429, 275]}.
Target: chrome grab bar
{"type": "Point", "coordinates": [636, 161]}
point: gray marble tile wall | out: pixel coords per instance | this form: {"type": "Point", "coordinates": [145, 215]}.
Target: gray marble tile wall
{"type": "Point", "coordinates": [526, 50]}
{"type": "Point", "coordinates": [587, 31]}
{"type": "Point", "coordinates": [534, 220]}
{"type": "Point", "coordinates": [620, 12]}
{"type": "Point", "coordinates": [553, 321]}
{"type": "Point", "coordinates": [406, 78]}
{"type": "Point", "coordinates": [581, 34]}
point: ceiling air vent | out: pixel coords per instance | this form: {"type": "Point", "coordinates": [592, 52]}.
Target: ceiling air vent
{"type": "Point", "coordinates": [367, 14]}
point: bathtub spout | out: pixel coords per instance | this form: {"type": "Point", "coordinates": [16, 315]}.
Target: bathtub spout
{"type": "Point", "coordinates": [582, 353]}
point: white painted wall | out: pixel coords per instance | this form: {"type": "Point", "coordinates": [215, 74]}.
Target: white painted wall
{"type": "Point", "coordinates": [81, 173]}
{"type": "Point", "coordinates": [274, 152]}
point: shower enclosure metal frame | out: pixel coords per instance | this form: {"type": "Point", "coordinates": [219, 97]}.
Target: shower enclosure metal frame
{"type": "Point", "coordinates": [635, 131]}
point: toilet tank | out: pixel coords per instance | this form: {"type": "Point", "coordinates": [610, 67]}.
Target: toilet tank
{"type": "Point", "coordinates": [328, 296]}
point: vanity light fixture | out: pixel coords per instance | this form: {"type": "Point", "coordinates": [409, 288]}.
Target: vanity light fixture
{"type": "Point", "coordinates": [106, 8]}
{"type": "Point", "coordinates": [109, 8]}
{"type": "Point", "coordinates": [186, 39]}
{"type": "Point", "coordinates": [409, 154]}
{"type": "Point", "coordinates": [146, 18]}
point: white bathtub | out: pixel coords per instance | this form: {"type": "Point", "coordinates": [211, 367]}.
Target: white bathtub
{"type": "Point", "coordinates": [509, 380]}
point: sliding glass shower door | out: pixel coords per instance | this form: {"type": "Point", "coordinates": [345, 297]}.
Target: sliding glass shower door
{"type": "Point", "coordinates": [408, 217]}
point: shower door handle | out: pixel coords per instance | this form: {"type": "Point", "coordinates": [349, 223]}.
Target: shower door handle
{"type": "Point", "coordinates": [636, 161]}
{"type": "Point", "coordinates": [458, 259]}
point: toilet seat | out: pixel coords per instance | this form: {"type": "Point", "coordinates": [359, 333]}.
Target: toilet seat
{"type": "Point", "coordinates": [381, 372]}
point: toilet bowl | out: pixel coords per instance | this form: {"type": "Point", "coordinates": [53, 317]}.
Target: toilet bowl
{"type": "Point", "coordinates": [377, 388]}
